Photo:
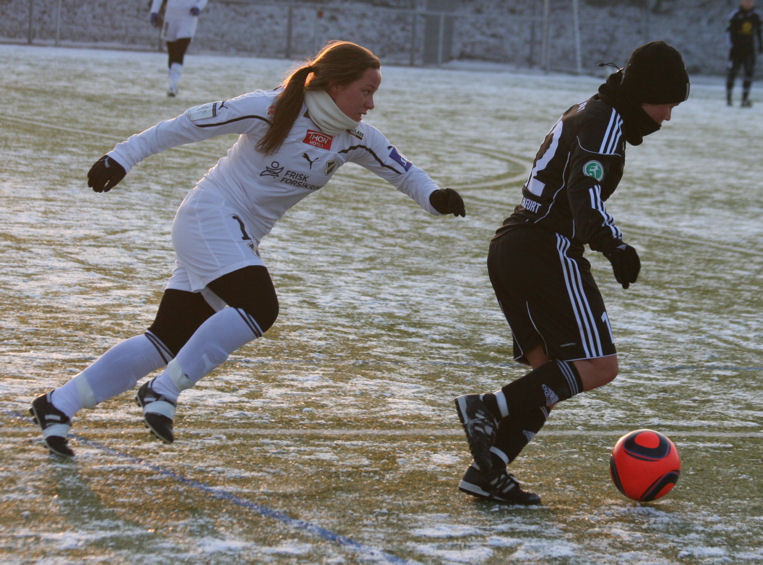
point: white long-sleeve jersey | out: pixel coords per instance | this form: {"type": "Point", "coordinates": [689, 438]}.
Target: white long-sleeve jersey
{"type": "Point", "coordinates": [177, 8]}
{"type": "Point", "coordinates": [263, 187]}
{"type": "Point", "coordinates": [178, 20]}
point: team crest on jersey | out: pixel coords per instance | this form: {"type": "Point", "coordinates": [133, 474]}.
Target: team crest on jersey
{"type": "Point", "coordinates": [331, 167]}
{"type": "Point", "coordinates": [395, 156]}
{"type": "Point", "coordinates": [318, 139]}
{"type": "Point", "coordinates": [594, 169]}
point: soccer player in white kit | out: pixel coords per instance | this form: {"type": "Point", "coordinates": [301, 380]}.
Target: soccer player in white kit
{"type": "Point", "coordinates": [220, 297]}
{"type": "Point", "coordinates": [178, 28]}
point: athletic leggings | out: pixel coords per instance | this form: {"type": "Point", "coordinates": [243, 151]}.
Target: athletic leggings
{"type": "Point", "coordinates": [176, 50]}
{"type": "Point", "coordinates": [181, 313]}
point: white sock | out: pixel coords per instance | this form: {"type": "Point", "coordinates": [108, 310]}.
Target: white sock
{"type": "Point", "coordinates": [176, 69]}
{"type": "Point", "coordinates": [219, 336]}
{"type": "Point", "coordinates": [114, 372]}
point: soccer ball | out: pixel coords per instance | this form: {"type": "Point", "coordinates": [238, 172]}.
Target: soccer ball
{"type": "Point", "coordinates": [644, 465]}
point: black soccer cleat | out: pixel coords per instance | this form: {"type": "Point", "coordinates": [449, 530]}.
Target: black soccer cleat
{"type": "Point", "coordinates": [502, 487]}
{"type": "Point", "coordinates": [158, 412]}
{"type": "Point", "coordinates": [54, 424]}
{"type": "Point", "coordinates": [480, 427]}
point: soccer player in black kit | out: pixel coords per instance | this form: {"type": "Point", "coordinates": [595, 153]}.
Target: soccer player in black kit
{"type": "Point", "coordinates": [543, 283]}
{"type": "Point", "coordinates": [744, 25]}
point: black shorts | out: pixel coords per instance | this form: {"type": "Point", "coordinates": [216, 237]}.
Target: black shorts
{"type": "Point", "coordinates": [744, 58]}
{"type": "Point", "coordinates": [548, 295]}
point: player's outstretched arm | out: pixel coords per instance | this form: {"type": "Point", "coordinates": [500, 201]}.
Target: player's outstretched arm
{"type": "Point", "coordinates": [447, 201]}
{"type": "Point", "coordinates": [105, 174]}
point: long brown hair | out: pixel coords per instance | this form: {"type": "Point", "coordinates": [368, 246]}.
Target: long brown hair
{"type": "Point", "coordinates": [338, 63]}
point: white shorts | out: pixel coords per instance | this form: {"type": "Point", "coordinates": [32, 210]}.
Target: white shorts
{"type": "Point", "coordinates": [210, 240]}
{"type": "Point", "coordinates": [175, 28]}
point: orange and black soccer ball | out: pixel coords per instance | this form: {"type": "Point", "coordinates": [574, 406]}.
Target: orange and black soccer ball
{"type": "Point", "coordinates": [644, 465]}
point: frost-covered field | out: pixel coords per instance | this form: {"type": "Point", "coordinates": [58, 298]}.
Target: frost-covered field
{"type": "Point", "coordinates": [333, 439]}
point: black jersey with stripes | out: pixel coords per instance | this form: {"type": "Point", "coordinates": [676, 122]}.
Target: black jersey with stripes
{"type": "Point", "coordinates": [576, 169]}
{"type": "Point", "coordinates": [743, 27]}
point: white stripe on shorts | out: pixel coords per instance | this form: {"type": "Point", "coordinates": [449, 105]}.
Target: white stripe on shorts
{"type": "Point", "coordinates": [589, 335]}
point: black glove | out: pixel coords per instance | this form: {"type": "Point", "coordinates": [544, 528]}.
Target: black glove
{"type": "Point", "coordinates": [105, 174]}
{"type": "Point", "coordinates": [625, 263]}
{"type": "Point", "coordinates": [156, 19]}
{"type": "Point", "coordinates": [447, 201]}
{"type": "Point", "coordinates": [195, 11]}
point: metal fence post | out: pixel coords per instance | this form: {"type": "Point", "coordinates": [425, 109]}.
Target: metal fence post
{"type": "Point", "coordinates": [30, 31]}
{"type": "Point", "coordinates": [440, 39]}
{"type": "Point", "coordinates": [413, 38]}
{"type": "Point", "coordinates": [58, 24]}
{"type": "Point", "coordinates": [289, 22]}
{"type": "Point", "coordinates": [576, 29]}
{"type": "Point", "coordinates": [546, 48]}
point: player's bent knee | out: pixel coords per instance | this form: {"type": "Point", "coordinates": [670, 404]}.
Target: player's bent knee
{"type": "Point", "coordinates": [252, 290]}
{"type": "Point", "coordinates": [597, 372]}
{"type": "Point", "coordinates": [265, 312]}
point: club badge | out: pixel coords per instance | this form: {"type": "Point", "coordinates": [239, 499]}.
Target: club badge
{"type": "Point", "coordinates": [594, 169]}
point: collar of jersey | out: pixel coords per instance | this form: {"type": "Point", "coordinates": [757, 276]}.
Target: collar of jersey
{"type": "Point", "coordinates": [326, 114]}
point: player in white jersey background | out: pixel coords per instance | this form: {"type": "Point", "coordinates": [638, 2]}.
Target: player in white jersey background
{"type": "Point", "coordinates": [220, 297]}
{"type": "Point", "coordinates": [178, 20]}
{"type": "Point", "coordinates": [543, 283]}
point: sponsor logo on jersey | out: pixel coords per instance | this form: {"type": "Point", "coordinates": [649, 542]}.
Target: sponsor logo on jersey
{"type": "Point", "coordinates": [318, 139]}
{"type": "Point", "coordinates": [331, 167]}
{"type": "Point", "coordinates": [594, 169]}
{"type": "Point", "coordinates": [273, 170]}
{"type": "Point", "coordinates": [309, 160]}
{"type": "Point", "coordinates": [397, 158]}
{"type": "Point", "coordinates": [204, 112]}
{"type": "Point", "coordinates": [295, 178]}
{"type": "Point", "coordinates": [357, 133]}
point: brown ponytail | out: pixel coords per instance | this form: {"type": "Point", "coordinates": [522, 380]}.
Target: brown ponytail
{"type": "Point", "coordinates": [338, 63]}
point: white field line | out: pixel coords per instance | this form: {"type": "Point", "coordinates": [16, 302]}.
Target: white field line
{"type": "Point", "coordinates": [350, 432]}
{"type": "Point", "coordinates": [438, 432]}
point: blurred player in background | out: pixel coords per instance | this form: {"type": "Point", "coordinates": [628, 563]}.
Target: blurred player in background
{"type": "Point", "coordinates": [542, 281]}
{"type": "Point", "coordinates": [744, 26]}
{"type": "Point", "coordinates": [178, 20]}
{"type": "Point", "coordinates": [291, 141]}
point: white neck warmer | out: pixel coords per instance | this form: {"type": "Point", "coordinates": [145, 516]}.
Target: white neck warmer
{"type": "Point", "coordinates": [326, 114]}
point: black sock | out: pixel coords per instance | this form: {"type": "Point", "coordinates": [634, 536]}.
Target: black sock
{"type": "Point", "coordinates": [545, 386]}
{"type": "Point", "coordinates": [515, 433]}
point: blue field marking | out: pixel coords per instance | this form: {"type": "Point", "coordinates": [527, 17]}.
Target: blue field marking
{"type": "Point", "coordinates": [265, 511]}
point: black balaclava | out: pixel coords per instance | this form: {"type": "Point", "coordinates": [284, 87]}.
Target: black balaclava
{"type": "Point", "coordinates": [655, 74]}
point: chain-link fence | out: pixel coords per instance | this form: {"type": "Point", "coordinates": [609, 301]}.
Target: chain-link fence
{"type": "Point", "coordinates": [569, 35]}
